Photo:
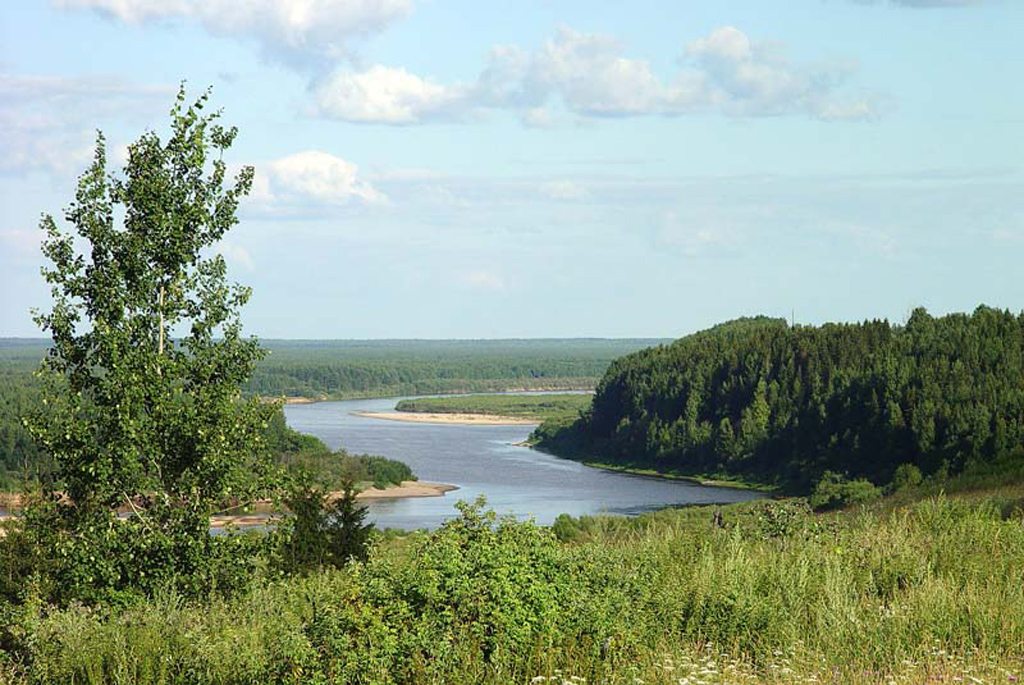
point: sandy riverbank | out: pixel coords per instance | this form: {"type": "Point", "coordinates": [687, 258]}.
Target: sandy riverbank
{"type": "Point", "coordinates": [408, 488]}
{"type": "Point", "coordinates": [462, 419]}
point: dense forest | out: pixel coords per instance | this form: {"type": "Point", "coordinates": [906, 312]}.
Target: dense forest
{"type": "Point", "coordinates": [760, 399]}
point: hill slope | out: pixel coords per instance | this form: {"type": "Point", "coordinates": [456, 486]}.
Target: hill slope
{"type": "Point", "coordinates": [759, 399]}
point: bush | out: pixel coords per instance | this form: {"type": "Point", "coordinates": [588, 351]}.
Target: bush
{"type": "Point", "coordinates": [66, 554]}
{"type": "Point", "coordinates": [383, 471]}
{"type": "Point", "coordinates": [834, 491]}
{"type": "Point", "coordinates": [906, 476]}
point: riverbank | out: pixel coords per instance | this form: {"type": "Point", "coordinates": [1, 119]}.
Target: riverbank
{"type": "Point", "coordinates": [711, 481]}
{"type": "Point", "coordinates": [707, 481]}
{"type": "Point", "coordinates": [408, 488]}
{"type": "Point", "coordinates": [457, 419]}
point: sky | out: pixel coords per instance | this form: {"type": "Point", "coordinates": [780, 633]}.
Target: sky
{"type": "Point", "coordinates": [550, 168]}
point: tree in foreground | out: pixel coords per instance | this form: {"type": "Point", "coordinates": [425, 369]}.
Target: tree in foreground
{"type": "Point", "coordinates": [321, 533]}
{"type": "Point", "coordinates": [142, 406]}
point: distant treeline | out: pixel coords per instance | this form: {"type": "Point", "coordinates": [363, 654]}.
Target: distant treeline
{"type": "Point", "coordinates": [382, 368]}
{"type": "Point", "coordinates": [757, 398]}
{"type": "Point", "coordinates": [340, 369]}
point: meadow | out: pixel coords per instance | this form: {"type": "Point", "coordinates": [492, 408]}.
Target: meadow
{"type": "Point", "coordinates": [929, 590]}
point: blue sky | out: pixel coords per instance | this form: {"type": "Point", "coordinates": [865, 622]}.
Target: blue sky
{"type": "Point", "coordinates": [551, 168]}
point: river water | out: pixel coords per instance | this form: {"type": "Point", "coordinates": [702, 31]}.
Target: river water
{"type": "Point", "coordinates": [485, 460]}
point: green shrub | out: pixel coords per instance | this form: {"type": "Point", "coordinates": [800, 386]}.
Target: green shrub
{"type": "Point", "coordinates": [926, 593]}
{"type": "Point", "coordinates": [834, 491]}
{"type": "Point", "coordinates": [906, 476]}
{"type": "Point", "coordinates": [66, 554]}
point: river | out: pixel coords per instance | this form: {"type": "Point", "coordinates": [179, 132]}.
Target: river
{"type": "Point", "coordinates": [485, 460]}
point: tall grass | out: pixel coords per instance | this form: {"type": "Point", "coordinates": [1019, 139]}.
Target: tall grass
{"type": "Point", "coordinates": [933, 590]}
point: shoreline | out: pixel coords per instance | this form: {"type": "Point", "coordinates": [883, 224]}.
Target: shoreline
{"type": "Point", "coordinates": [453, 418]}
{"type": "Point", "coordinates": [696, 479]}
{"type": "Point", "coordinates": [408, 489]}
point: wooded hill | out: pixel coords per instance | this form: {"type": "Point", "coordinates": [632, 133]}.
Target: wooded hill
{"type": "Point", "coordinates": [757, 398]}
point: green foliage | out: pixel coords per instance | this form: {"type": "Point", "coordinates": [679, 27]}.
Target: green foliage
{"type": "Point", "coordinates": [906, 476]}
{"type": "Point", "coordinates": [131, 416]}
{"type": "Point", "coordinates": [66, 556]}
{"type": "Point", "coordinates": [321, 532]}
{"type": "Point", "coordinates": [307, 458]}
{"type": "Point", "coordinates": [21, 461]}
{"type": "Point", "coordinates": [540, 407]}
{"type": "Point", "coordinates": [383, 472]}
{"type": "Point", "coordinates": [761, 400]}
{"type": "Point", "coordinates": [346, 369]}
{"type": "Point", "coordinates": [932, 592]}
{"type": "Point", "coordinates": [280, 439]}
{"type": "Point", "coordinates": [834, 491]}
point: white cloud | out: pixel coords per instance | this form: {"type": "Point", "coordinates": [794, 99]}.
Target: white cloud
{"type": "Point", "coordinates": [49, 123]}
{"type": "Point", "coordinates": [439, 195]}
{"type": "Point", "coordinates": [589, 76]}
{"type": "Point", "coordinates": [385, 95]}
{"type": "Point", "coordinates": [592, 78]}
{"type": "Point", "coordinates": [564, 190]}
{"type": "Point", "coordinates": [538, 117]}
{"type": "Point", "coordinates": [312, 177]}
{"type": "Point", "coordinates": [697, 232]}
{"type": "Point", "coordinates": [750, 79]}
{"type": "Point", "coordinates": [872, 239]}
{"type": "Point", "coordinates": [295, 31]}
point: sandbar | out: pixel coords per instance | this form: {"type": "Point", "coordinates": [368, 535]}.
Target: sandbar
{"type": "Point", "coordinates": [462, 419]}
{"type": "Point", "coordinates": [408, 488]}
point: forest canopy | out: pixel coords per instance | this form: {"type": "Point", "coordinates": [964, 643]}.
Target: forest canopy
{"type": "Point", "coordinates": [761, 399]}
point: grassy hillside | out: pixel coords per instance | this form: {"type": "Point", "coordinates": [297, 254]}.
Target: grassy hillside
{"type": "Point", "coordinates": [930, 592]}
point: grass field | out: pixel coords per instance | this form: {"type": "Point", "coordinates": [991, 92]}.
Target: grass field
{"type": "Point", "coordinates": [926, 591]}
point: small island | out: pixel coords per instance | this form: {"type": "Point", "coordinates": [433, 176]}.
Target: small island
{"type": "Point", "coordinates": [488, 410]}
